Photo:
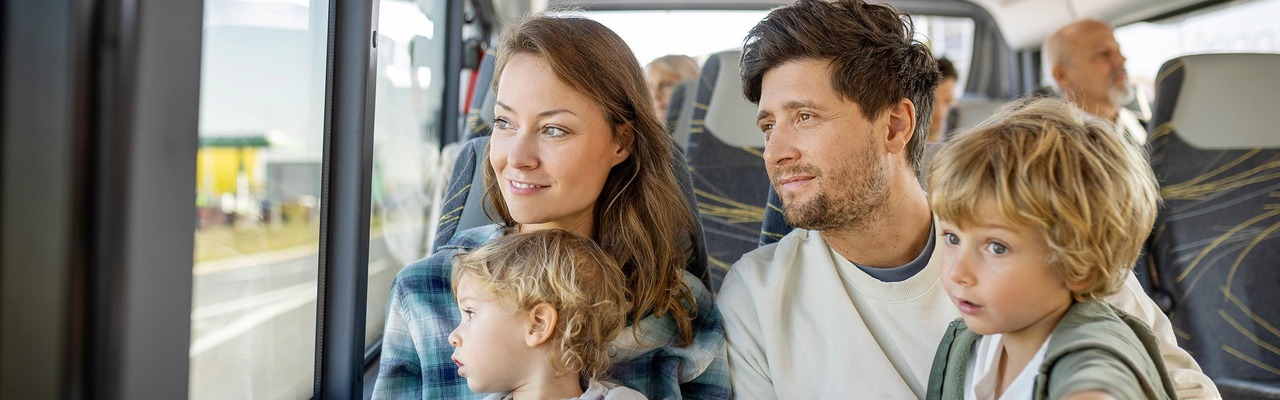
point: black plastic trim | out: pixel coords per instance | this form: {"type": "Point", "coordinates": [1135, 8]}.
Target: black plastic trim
{"type": "Point", "coordinates": [345, 194]}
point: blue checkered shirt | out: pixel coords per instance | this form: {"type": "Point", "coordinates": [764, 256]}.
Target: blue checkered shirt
{"type": "Point", "coordinates": [416, 355]}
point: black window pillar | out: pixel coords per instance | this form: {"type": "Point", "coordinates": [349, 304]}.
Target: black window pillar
{"type": "Point", "coordinates": [344, 221]}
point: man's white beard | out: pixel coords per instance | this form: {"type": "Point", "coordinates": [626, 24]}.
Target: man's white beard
{"type": "Point", "coordinates": [1122, 95]}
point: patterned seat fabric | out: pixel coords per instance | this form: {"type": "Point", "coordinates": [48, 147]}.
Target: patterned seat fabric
{"type": "Point", "coordinates": [774, 227]}
{"type": "Point", "coordinates": [1215, 247]}
{"type": "Point", "coordinates": [725, 157]}
{"type": "Point", "coordinates": [464, 206]}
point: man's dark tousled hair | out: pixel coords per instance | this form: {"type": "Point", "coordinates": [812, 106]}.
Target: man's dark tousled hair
{"type": "Point", "coordinates": [947, 69]}
{"type": "Point", "coordinates": [875, 60]}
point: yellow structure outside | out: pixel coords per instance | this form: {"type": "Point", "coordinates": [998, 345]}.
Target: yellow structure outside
{"type": "Point", "coordinates": [216, 168]}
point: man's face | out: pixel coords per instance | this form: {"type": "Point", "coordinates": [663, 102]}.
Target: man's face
{"type": "Point", "coordinates": [1094, 70]}
{"type": "Point", "coordinates": [826, 161]}
{"type": "Point", "coordinates": [944, 99]}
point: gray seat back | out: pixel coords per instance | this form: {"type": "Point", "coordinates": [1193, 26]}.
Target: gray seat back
{"type": "Point", "coordinates": [1215, 149]}
{"type": "Point", "coordinates": [726, 159]}
{"type": "Point", "coordinates": [680, 113]}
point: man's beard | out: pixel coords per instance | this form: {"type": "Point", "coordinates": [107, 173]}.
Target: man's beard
{"type": "Point", "coordinates": [1121, 94]}
{"type": "Point", "coordinates": [842, 200]}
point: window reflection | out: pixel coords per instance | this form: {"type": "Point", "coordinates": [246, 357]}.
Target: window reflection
{"type": "Point", "coordinates": [406, 155]}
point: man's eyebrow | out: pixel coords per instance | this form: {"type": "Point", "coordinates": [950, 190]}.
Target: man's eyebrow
{"type": "Point", "coordinates": [790, 105]}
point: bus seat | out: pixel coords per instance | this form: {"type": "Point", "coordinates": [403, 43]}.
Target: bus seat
{"type": "Point", "coordinates": [774, 227]}
{"type": "Point", "coordinates": [480, 111]}
{"type": "Point", "coordinates": [1215, 247]}
{"type": "Point", "coordinates": [726, 159]}
{"type": "Point", "coordinates": [680, 112]}
{"type": "Point", "coordinates": [464, 206]}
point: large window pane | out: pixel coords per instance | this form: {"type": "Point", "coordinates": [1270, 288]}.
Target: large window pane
{"type": "Point", "coordinates": [694, 33]}
{"type": "Point", "coordinates": [406, 156]}
{"type": "Point", "coordinates": [1236, 27]}
{"type": "Point", "coordinates": [950, 37]}
{"type": "Point", "coordinates": [258, 185]}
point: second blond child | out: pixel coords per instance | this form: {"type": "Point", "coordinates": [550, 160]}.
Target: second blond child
{"type": "Point", "coordinates": [1042, 212]}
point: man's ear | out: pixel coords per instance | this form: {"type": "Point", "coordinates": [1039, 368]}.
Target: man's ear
{"type": "Point", "coordinates": [1059, 75]}
{"type": "Point", "coordinates": [902, 125]}
{"type": "Point", "coordinates": [542, 324]}
{"type": "Point", "coordinates": [626, 138]}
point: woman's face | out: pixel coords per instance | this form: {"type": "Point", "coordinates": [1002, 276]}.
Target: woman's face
{"type": "Point", "coordinates": [551, 150]}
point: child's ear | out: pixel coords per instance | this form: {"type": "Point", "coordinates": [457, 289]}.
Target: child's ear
{"type": "Point", "coordinates": [1080, 285]}
{"type": "Point", "coordinates": [542, 323]}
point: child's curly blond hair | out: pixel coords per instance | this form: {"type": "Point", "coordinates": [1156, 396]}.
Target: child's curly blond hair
{"type": "Point", "coordinates": [566, 271]}
{"type": "Point", "coordinates": [1047, 166]}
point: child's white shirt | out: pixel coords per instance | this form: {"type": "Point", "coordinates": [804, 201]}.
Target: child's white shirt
{"type": "Point", "coordinates": [596, 390]}
{"type": "Point", "coordinates": [984, 367]}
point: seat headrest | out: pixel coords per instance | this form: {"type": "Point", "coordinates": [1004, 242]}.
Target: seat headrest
{"type": "Point", "coordinates": [680, 113]}
{"type": "Point", "coordinates": [1220, 101]}
{"type": "Point", "coordinates": [480, 111]}
{"type": "Point", "coordinates": [730, 117]}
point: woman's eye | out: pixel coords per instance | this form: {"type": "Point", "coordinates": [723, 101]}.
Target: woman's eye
{"type": "Point", "coordinates": [555, 132]}
{"type": "Point", "coordinates": [997, 248]}
{"type": "Point", "coordinates": [951, 238]}
{"type": "Point", "coordinates": [805, 117]}
{"type": "Point", "coordinates": [501, 124]}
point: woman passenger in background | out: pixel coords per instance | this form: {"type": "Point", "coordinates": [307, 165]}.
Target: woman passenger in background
{"type": "Point", "coordinates": [576, 145]}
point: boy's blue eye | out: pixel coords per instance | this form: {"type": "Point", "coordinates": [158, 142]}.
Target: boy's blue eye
{"type": "Point", "coordinates": [997, 248]}
{"type": "Point", "coordinates": [951, 238]}
{"type": "Point", "coordinates": [468, 314]}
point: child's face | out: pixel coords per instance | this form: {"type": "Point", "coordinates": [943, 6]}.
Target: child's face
{"type": "Point", "coordinates": [999, 276]}
{"type": "Point", "coordinates": [489, 344]}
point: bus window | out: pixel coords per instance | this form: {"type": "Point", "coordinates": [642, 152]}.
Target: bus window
{"type": "Point", "coordinates": [1236, 27]}
{"type": "Point", "coordinates": [695, 33]}
{"type": "Point", "coordinates": [406, 156]}
{"type": "Point", "coordinates": [261, 135]}
{"type": "Point", "coordinates": [698, 33]}
{"type": "Point", "coordinates": [950, 37]}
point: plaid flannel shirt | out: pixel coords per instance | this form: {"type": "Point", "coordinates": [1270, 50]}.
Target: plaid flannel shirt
{"type": "Point", "coordinates": [416, 355]}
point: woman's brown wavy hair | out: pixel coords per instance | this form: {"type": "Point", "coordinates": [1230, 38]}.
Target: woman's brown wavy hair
{"type": "Point", "coordinates": [641, 218]}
